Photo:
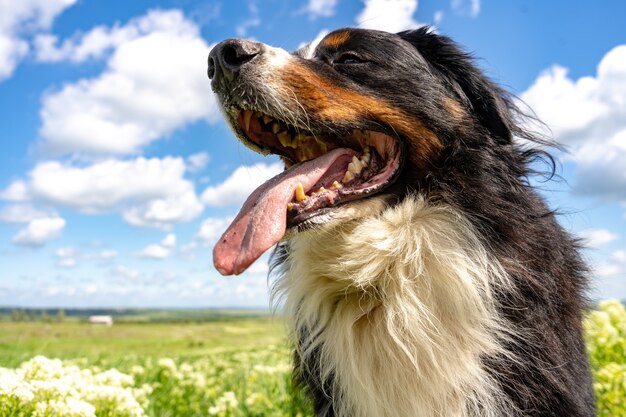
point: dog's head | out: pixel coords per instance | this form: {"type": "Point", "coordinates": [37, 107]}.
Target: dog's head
{"type": "Point", "coordinates": [360, 119]}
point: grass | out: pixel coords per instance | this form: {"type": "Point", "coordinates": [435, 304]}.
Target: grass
{"type": "Point", "coordinates": [123, 341]}
{"type": "Point", "coordinates": [232, 366]}
{"type": "Point", "coordinates": [204, 363]}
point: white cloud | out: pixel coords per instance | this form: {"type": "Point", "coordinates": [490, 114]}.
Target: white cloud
{"type": "Point", "coordinates": [389, 15]}
{"type": "Point", "coordinates": [595, 238]}
{"type": "Point", "coordinates": [475, 8]}
{"type": "Point", "coordinates": [438, 17]}
{"type": "Point", "coordinates": [69, 256]}
{"type": "Point", "coordinates": [240, 184]}
{"type": "Point", "coordinates": [19, 18]}
{"type": "Point", "coordinates": [155, 82]}
{"type": "Point", "coordinates": [169, 241]}
{"type": "Point", "coordinates": [198, 161]}
{"type": "Point", "coordinates": [212, 228]}
{"type": "Point", "coordinates": [154, 252]}
{"type": "Point", "coordinates": [148, 192]}
{"type": "Point", "coordinates": [39, 231]}
{"type": "Point", "coordinates": [106, 254]}
{"type": "Point", "coordinates": [321, 8]}
{"type": "Point", "coordinates": [253, 21]}
{"type": "Point", "coordinates": [242, 28]}
{"type": "Point", "coordinates": [164, 212]}
{"type": "Point", "coordinates": [101, 39]}
{"type": "Point", "coordinates": [188, 251]}
{"type": "Point", "coordinates": [567, 106]}
{"type": "Point", "coordinates": [16, 191]}
{"type": "Point", "coordinates": [66, 252]}
{"type": "Point", "coordinates": [21, 213]}
{"type": "Point", "coordinates": [161, 250]}
{"type": "Point", "coordinates": [125, 272]}
{"type": "Point", "coordinates": [12, 51]}
{"type": "Point", "coordinates": [589, 115]}
{"type": "Point", "coordinates": [66, 263]}
{"type": "Point", "coordinates": [462, 6]}
{"type": "Point", "coordinates": [33, 14]}
{"type": "Point", "coordinates": [615, 266]}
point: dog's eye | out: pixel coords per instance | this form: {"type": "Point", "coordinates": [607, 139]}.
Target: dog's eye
{"type": "Point", "coordinates": [347, 59]}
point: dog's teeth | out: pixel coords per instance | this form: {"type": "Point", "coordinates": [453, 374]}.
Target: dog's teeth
{"type": "Point", "coordinates": [275, 128]}
{"type": "Point", "coordinates": [365, 159]}
{"type": "Point", "coordinates": [299, 193]}
{"type": "Point", "coordinates": [293, 142]}
{"type": "Point", "coordinates": [347, 177]}
{"type": "Point", "coordinates": [290, 206]}
{"type": "Point", "coordinates": [335, 185]}
{"type": "Point", "coordinates": [247, 115]}
{"type": "Point", "coordinates": [355, 166]}
{"type": "Point", "coordinates": [319, 191]}
{"type": "Point", "coordinates": [266, 119]}
{"type": "Point", "coordinates": [284, 138]}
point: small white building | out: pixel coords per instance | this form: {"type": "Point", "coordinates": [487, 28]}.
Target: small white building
{"type": "Point", "coordinates": [101, 320]}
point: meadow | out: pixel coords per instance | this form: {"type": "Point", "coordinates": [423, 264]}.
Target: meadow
{"type": "Point", "coordinates": [226, 365]}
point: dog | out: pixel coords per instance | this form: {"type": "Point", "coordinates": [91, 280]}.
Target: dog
{"type": "Point", "coordinates": [421, 273]}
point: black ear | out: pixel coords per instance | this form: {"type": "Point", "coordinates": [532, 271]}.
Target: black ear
{"type": "Point", "coordinates": [491, 104]}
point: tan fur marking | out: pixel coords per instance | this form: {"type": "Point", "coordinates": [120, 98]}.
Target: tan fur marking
{"type": "Point", "coordinates": [319, 96]}
{"type": "Point", "coordinates": [461, 119]}
{"type": "Point", "coordinates": [401, 307]}
{"type": "Point", "coordinates": [336, 39]}
{"type": "Point", "coordinates": [454, 109]}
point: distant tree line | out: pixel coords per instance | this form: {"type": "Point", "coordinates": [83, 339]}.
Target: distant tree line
{"type": "Point", "coordinates": [19, 315]}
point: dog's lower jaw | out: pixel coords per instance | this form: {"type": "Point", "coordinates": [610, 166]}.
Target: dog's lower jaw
{"type": "Point", "coordinates": [394, 313]}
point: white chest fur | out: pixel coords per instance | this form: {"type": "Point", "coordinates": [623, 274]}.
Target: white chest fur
{"type": "Point", "coordinates": [400, 307]}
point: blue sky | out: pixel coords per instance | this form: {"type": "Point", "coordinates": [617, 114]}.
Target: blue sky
{"type": "Point", "coordinates": [117, 173]}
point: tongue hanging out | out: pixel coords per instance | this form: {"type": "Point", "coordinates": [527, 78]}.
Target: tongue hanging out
{"type": "Point", "coordinates": [262, 221]}
{"type": "Point", "coordinates": [326, 174]}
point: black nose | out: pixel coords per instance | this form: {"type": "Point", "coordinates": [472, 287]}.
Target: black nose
{"type": "Point", "coordinates": [228, 57]}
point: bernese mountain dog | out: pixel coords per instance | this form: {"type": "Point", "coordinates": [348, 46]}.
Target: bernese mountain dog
{"type": "Point", "coordinates": [421, 273]}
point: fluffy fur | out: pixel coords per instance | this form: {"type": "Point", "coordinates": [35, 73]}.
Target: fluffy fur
{"type": "Point", "coordinates": [452, 293]}
{"type": "Point", "coordinates": [396, 311]}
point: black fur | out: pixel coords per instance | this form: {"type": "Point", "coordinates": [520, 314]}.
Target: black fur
{"type": "Point", "coordinates": [485, 174]}
{"type": "Point", "coordinates": [481, 170]}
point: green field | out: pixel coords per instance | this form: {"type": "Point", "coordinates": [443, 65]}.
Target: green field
{"type": "Point", "coordinates": [234, 365]}
{"type": "Point", "coordinates": [127, 341]}
{"type": "Point", "coordinates": [187, 364]}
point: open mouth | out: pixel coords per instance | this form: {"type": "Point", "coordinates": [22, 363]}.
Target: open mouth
{"type": "Point", "coordinates": [324, 169]}
{"type": "Point", "coordinates": [366, 161]}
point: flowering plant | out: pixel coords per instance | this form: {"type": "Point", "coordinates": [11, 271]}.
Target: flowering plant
{"type": "Point", "coordinates": [237, 382]}
{"type": "Point", "coordinates": [605, 330]}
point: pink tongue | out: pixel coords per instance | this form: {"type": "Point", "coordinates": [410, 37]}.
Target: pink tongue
{"type": "Point", "coordinates": [262, 220]}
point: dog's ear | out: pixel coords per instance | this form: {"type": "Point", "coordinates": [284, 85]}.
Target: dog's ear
{"type": "Point", "coordinates": [490, 104]}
